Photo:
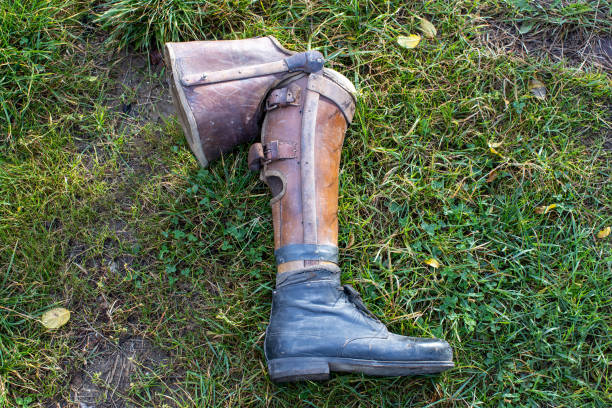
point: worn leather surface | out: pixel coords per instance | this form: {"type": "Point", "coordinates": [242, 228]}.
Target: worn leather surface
{"type": "Point", "coordinates": [283, 125]}
{"type": "Point", "coordinates": [313, 316]}
{"type": "Point", "coordinates": [229, 113]}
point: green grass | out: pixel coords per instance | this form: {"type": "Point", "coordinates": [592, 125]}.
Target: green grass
{"type": "Point", "coordinates": [108, 214]}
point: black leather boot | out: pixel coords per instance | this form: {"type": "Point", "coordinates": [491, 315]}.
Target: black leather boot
{"type": "Point", "coordinates": [317, 326]}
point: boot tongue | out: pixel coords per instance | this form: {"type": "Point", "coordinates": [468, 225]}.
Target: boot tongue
{"type": "Point", "coordinates": [355, 298]}
{"type": "Point", "coordinates": [329, 273]}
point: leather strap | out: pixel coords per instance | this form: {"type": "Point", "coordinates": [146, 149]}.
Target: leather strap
{"type": "Point", "coordinates": [256, 157]}
{"type": "Point", "coordinates": [282, 97]}
{"type": "Point", "coordinates": [339, 96]}
{"type": "Point", "coordinates": [278, 150]}
{"type": "Point", "coordinates": [306, 252]}
{"type": "Point", "coordinates": [260, 154]}
{"type": "Point", "coordinates": [319, 273]}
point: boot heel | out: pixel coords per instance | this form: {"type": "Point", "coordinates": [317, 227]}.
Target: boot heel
{"type": "Point", "coordinates": [298, 369]}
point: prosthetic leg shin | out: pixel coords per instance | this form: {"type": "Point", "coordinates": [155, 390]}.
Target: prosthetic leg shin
{"type": "Point", "coordinates": [317, 325]}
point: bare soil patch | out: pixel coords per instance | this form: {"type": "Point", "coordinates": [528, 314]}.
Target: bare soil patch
{"type": "Point", "coordinates": [137, 98]}
{"type": "Point", "coordinates": [141, 91]}
{"type": "Point", "coordinates": [110, 370]}
{"type": "Point", "coordinates": [577, 47]}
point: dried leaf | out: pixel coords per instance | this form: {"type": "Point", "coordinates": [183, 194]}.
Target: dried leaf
{"type": "Point", "coordinates": [55, 318]}
{"type": "Point", "coordinates": [492, 176]}
{"type": "Point", "coordinates": [604, 233]}
{"type": "Point", "coordinates": [351, 241]}
{"type": "Point", "coordinates": [544, 209]}
{"type": "Point", "coordinates": [427, 28]}
{"type": "Point", "coordinates": [432, 262]}
{"type": "Point", "coordinates": [495, 144]}
{"type": "Point", "coordinates": [538, 89]}
{"type": "Point", "coordinates": [409, 42]}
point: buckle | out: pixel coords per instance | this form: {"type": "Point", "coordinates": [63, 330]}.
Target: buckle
{"type": "Point", "coordinates": [260, 154]}
{"type": "Point", "coordinates": [277, 150]}
{"type": "Point", "coordinates": [282, 97]}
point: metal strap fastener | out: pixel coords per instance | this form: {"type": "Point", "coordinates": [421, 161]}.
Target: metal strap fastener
{"type": "Point", "coordinates": [306, 252]}
{"type": "Point", "coordinates": [282, 97]}
{"type": "Point", "coordinates": [277, 150]}
{"type": "Point", "coordinates": [260, 154]}
{"type": "Point", "coordinates": [310, 111]}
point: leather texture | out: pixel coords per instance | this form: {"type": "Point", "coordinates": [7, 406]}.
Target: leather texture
{"type": "Point", "coordinates": [319, 127]}
{"type": "Point", "coordinates": [219, 116]}
{"type": "Point", "coordinates": [314, 316]}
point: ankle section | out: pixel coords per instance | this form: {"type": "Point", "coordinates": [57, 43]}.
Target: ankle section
{"type": "Point", "coordinates": [318, 273]}
{"type": "Point", "coordinates": [306, 252]}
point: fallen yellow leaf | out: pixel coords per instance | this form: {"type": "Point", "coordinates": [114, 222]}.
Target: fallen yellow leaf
{"type": "Point", "coordinates": [55, 318]}
{"type": "Point", "coordinates": [492, 150]}
{"type": "Point", "coordinates": [409, 42]}
{"type": "Point", "coordinates": [538, 89]}
{"type": "Point", "coordinates": [543, 209]}
{"type": "Point", "coordinates": [432, 262]}
{"type": "Point", "coordinates": [427, 28]}
{"type": "Point", "coordinates": [604, 233]}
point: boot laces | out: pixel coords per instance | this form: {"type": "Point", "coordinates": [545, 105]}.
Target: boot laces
{"type": "Point", "coordinates": [355, 298]}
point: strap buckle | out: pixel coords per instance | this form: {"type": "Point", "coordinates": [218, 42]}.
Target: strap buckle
{"type": "Point", "coordinates": [260, 154]}
{"type": "Point", "coordinates": [282, 97]}
{"type": "Point", "coordinates": [277, 150]}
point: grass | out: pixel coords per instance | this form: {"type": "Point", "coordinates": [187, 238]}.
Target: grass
{"type": "Point", "coordinates": [104, 211]}
{"type": "Point", "coordinates": [594, 16]}
{"type": "Point", "coordinates": [576, 31]}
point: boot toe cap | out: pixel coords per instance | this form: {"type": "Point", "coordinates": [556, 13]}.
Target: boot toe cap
{"type": "Point", "coordinates": [399, 348]}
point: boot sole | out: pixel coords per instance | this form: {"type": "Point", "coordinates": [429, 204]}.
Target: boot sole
{"type": "Point", "coordinates": [319, 368]}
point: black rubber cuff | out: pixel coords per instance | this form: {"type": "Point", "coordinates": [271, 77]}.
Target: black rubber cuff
{"type": "Point", "coordinates": [306, 252]}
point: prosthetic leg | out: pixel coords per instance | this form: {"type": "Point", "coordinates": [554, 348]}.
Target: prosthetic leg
{"type": "Point", "coordinates": [316, 324]}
